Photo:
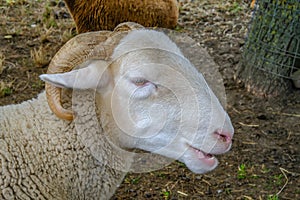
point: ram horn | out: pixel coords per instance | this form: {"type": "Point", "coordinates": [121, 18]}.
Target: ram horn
{"type": "Point", "coordinates": [76, 51]}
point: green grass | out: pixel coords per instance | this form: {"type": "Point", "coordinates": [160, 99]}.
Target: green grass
{"type": "Point", "coordinates": [236, 8]}
{"type": "Point", "coordinates": [273, 197]}
{"type": "Point", "coordinates": [48, 18]}
{"type": "Point", "coordinates": [132, 180]}
{"type": "Point", "coordinates": [278, 179]}
{"type": "Point", "coordinates": [166, 194]}
{"type": "Point", "coordinates": [6, 92]}
{"type": "Point", "coordinates": [242, 172]}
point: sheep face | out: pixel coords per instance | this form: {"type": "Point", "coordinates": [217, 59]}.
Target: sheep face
{"type": "Point", "coordinates": [163, 105]}
{"type": "Point", "coordinates": [159, 103]}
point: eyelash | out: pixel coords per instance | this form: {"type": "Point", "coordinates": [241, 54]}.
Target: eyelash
{"type": "Point", "coordinates": [140, 81]}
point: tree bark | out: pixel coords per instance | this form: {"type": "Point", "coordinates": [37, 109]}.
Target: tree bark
{"type": "Point", "coordinates": [272, 50]}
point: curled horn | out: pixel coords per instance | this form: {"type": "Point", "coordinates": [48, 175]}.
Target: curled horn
{"type": "Point", "coordinates": [76, 51]}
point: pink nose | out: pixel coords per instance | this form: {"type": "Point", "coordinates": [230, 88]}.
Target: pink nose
{"type": "Point", "coordinates": [224, 136]}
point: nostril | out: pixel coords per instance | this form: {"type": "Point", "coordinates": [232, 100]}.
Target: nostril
{"type": "Point", "coordinates": [224, 136]}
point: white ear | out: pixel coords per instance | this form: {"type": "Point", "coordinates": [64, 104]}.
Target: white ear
{"type": "Point", "coordinates": [94, 75]}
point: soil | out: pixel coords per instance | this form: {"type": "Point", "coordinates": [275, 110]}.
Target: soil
{"type": "Point", "coordinates": [264, 162]}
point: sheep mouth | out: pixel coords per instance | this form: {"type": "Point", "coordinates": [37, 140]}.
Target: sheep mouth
{"type": "Point", "coordinates": [206, 158]}
{"type": "Point", "coordinates": [201, 154]}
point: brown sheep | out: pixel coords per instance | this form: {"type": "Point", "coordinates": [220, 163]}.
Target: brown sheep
{"type": "Point", "coordinates": [94, 15]}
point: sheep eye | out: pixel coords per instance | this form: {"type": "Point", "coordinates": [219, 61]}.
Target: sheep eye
{"type": "Point", "coordinates": [140, 81]}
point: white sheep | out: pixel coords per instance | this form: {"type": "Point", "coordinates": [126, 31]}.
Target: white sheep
{"type": "Point", "coordinates": [144, 95]}
{"type": "Point", "coordinates": [107, 14]}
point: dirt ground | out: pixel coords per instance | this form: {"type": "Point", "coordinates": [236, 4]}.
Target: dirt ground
{"type": "Point", "coordinates": [264, 162]}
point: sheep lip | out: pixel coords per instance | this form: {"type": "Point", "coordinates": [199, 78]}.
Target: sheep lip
{"type": "Point", "coordinates": [201, 154]}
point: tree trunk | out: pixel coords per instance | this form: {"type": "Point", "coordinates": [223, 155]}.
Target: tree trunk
{"type": "Point", "coordinates": [272, 50]}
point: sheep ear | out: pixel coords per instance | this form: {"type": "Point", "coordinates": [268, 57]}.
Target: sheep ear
{"type": "Point", "coordinates": [91, 75]}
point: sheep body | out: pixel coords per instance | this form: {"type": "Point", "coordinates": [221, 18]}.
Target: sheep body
{"type": "Point", "coordinates": [94, 15]}
{"type": "Point", "coordinates": [42, 157]}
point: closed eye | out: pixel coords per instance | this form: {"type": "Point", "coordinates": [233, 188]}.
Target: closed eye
{"type": "Point", "coordinates": [144, 88]}
{"type": "Point", "coordinates": [140, 82]}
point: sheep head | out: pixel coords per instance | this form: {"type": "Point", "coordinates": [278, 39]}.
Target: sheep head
{"type": "Point", "coordinates": [155, 100]}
